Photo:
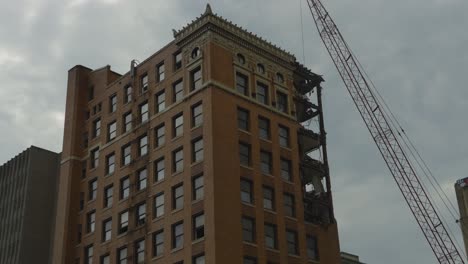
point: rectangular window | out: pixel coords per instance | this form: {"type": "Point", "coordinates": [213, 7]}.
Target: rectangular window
{"type": "Point", "coordinates": [126, 155]}
{"type": "Point", "coordinates": [144, 83]}
{"type": "Point", "coordinates": [158, 243]}
{"type": "Point", "coordinates": [312, 247]}
{"type": "Point", "coordinates": [160, 135]}
{"type": "Point", "coordinates": [242, 84]}
{"type": "Point", "coordinates": [200, 259]}
{"type": "Point", "coordinates": [263, 128]}
{"type": "Point", "coordinates": [177, 197]}
{"type": "Point", "coordinates": [92, 189]}
{"type": "Point", "coordinates": [143, 145]}
{"type": "Point", "coordinates": [142, 176]}
{"type": "Point", "coordinates": [160, 74]}
{"type": "Point", "coordinates": [127, 120]}
{"type": "Point", "coordinates": [268, 198]}
{"type": "Point", "coordinates": [244, 154]}
{"type": "Point", "coordinates": [246, 191]}
{"type": "Point", "coordinates": [110, 163]}
{"type": "Point", "coordinates": [178, 160]}
{"type": "Point", "coordinates": [160, 102]}
{"type": "Point", "coordinates": [291, 239]}
{"type": "Point", "coordinates": [177, 60]}
{"type": "Point", "coordinates": [243, 119]}
{"type": "Point", "coordinates": [248, 229]}
{"type": "Point", "coordinates": [91, 222]}
{"type": "Point", "coordinates": [113, 103]}
{"type": "Point", "coordinates": [124, 187]}
{"type": "Point", "coordinates": [249, 260]}
{"type": "Point", "coordinates": [289, 205]}
{"type": "Point", "coordinates": [265, 162]}
{"type": "Point", "coordinates": [177, 235]}
{"type": "Point", "coordinates": [197, 150]}
{"type": "Point", "coordinates": [128, 94]}
{"type": "Point", "coordinates": [178, 125]}
{"type": "Point", "coordinates": [282, 102]}
{"type": "Point", "coordinates": [178, 91]}
{"type": "Point", "coordinates": [123, 222]}
{"type": "Point", "coordinates": [270, 236]}
{"type": "Point", "coordinates": [105, 259]}
{"type": "Point", "coordinates": [286, 170]}
{"type": "Point", "coordinates": [262, 93]}
{"type": "Point", "coordinates": [198, 188]}
{"type": "Point", "coordinates": [94, 158]}
{"type": "Point", "coordinates": [106, 230]}
{"type": "Point", "coordinates": [96, 128]}
{"type": "Point", "coordinates": [144, 115]}
{"type": "Point", "coordinates": [108, 196]}
{"type": "Point", "coordinates": [89, 254]}
{"type": "Point", "coordinates": [140, 251]}
{"type": "Point", "coordinates": [90, 93]}
{"type": "Point", "coordinates": [159, 205]}
{"type": "Point", "coordinates": [82, 200]}
{"type": "Point", "coordinates": [112, 131]}
{"type": "Point", "coordinates": [196, 79]}
{"type": "Point", "coordinates": [159, 170]}
{"type": "Point", "coordinates": [140, 214]}
{"type": "Point", "coordinates": [197, 115]}
{"type": "Point", "coordinates": [198, 226]}
{"type": "Point", "coordinates": [122, 255]}
{"type": "Point", "coordinates": [283, 136]}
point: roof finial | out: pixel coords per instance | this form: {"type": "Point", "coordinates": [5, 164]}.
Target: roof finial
{"type": "Point", "coordinates": [208, 10]}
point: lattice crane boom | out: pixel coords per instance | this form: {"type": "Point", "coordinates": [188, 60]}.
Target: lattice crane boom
{"type": "Point", "coordinates": [377, 122]}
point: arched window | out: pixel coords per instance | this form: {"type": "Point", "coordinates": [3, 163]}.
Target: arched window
{"type": "Point", "coordinates": [279, 77]}
{"type": "Point", "coordinates": [260, 68]}
{"type": "Point", "coordinates": [240, 58]}
{"type": "Point", "coordinates": [195, 52]}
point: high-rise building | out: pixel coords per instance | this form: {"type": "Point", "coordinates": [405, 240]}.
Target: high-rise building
{"type": "Point", "coordinates": [196, 155]}
{"type": "Point", "coordinates": [347, 258]}
{"type": "Point", "coordinates": [28, 184]}
{"type": "Point", "coordinates": [461, 191]}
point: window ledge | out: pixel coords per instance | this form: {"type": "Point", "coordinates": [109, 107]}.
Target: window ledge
{"type": "Point", "coordinates": [175, 211]}
{"type": "Point", "coordinates": [198, 241]}
{"type": "Point", "coordinates": [177, 137]}
{"type": "Point", "coordinates": [197, 201]}
{"type": "Point", "coordinates": [294, 256]}
{"type": "Point", "coordinates": [248, 204]}
{"type": "Point", "coordinates": [253, 244]}
{"type": "Point", "coordinates": [177, 249]}
{"type": "Point", "coordinates": [177, 173]}
{"type": "Point", "coordinates": [196, 127]}
{"type": "Point", "coordinates": [196, 163]}
{"type": "Point", "coordinates": [157, 219]}
{"type": "Point", "coordinates": [157, 257]}
{"type": "Point", "coordinates": [271, 211]}
{"type": "Point", "coordinates": [290, 217]}
{"type": "Point", "coordinates": [246, 167]}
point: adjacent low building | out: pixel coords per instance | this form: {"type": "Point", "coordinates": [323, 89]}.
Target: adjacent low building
{"type": "Point", "coordinates": [347, 258]}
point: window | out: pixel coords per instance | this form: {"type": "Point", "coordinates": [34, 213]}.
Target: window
{"type": "Point", "coordinates": [265, 162]}
{"type": "Point", "coordinates": [89, 254]}
{"type": "Point", "coordinates": [85, 141]}
{"type": "Point", "coordinates": [240, 58]}
{"type": "Point", "coordinates": [284, 136]}
{"type": "Point", "coordinates": [81, 200]}
{"type": "Point", "coordinates": [268, 198]}
{"type": "Point", "coordinates": [160, 72]}
{"type": "Point", "coordinates": [246, 191]}
{"type": "Point", "coordinates": [128, 94]}
{"type": "Point", "coordinates": [159, 205]}
{"type": "Point", "coordinates": [113, 103]}
{"type": "Point", "coordinates": [197, 150]}
{"type": "Point", "coordinates": [279, 77]}
{"type": "Point", "coordinates": [264, 128]}
{"type": "Point", "coordinates": [198, 226]}
{"type": "Point", "coordinates": [127, 118]}
{"type": "Point", "coordinates": [198, 187]}
{"type": "Point", "coordinates": [242, 84]}
{"type": "Point", "coordinates": [140, 214]}
{"type": "Point", "coordinates": [260, 68]}
{"type": "Point", "coordinates": [158, 243]}
{"type": "Point", "coordinates": [144, 112]}
{"type": "Point", "coordinates": [178, 197]}
{"type": "Point", "coordinates": [243, 119]}
{"type": "Point", "coordinates": [142, 179]}
{"type": "Point", "coordinates": [249, 260]}
{"type": "Point", "coordinates": [286, 170]}
{"type": "Point", "coordinates": [110, 163]}
{"type": "Point", "coordinates": [196, 79]}
{"type": "Point", "coordinates": [91, 222]}
{"type": "Point", "coordinates": [122, 255]}
{"type": "Point", "coordinates": [123, 222]}
{"type": "Point", "coordinates": [178, 235]}
{"type": "Point", "coordinates": [289, 206]}
{"type": "Point", "coordinates": [144, 83]}
{"type": "Point", "coordinates": [140, 251]}
{"type": "Point", "coordinates": [177, 60]}
{"type": "Point", "coordinates": [312, 247]}
{"type": "Point", "coordinates": [105, 259]}
{"type": "Point", "coordinates": [160, 102]}
{"type": "Point", "coordinates": [106, 230]}
{"type": "Point", "coordinates": [270, 236]}
{"type": "Point", "coordinates": [90, 93]}
{"type": "Point", "coordinates": [124, 187]}
{"type": "Point", "coordinates": [197, 115]}
{"type": "Point", "coordinates": [200, 259]}
{"type": "Point", "coordinates": [92, 189]}
{"type": "Point", "coordinates": [111, 131]}
{"type": "Point", "coordinates": [291, 239]}
{"type": "Point", "coordinates": [126, 155]}
{"type": "Point", "coordinates": [244, 154]}
{"type": "Point", "coordinates": [195, 52]}
{"type": "Point", "coordinates": [178, 125]}
{"type": "Point", "coordinates": [95, 158]}
{"type": "Point", "coordinates": [159, 170]}
{"type": "Point", "coordinates": [160, 135]}
{"type": "Point", "coordinates": [108, 196]}
{"type": "Point", "coordinates": [248, 229]}
{"type": "Point", "coordinates": [178, 160]}
{"type": "Point", "coordinates": [143, 145]}
{"type": "Point", "coordinates": [97, 127]}
{"type": "Point", "coordinates": [262, 93]}
{"type": "Point", "coordinates": [282, 102]}
{"type": "Point", "coordinates": [178, 91]}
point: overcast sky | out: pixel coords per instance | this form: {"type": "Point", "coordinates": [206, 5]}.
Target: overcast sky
{"type": "Point", "coordinates": [414, 51]}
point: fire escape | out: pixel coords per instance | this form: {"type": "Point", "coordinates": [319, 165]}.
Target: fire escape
{"type": "Point", "coordinates": [318, 207]}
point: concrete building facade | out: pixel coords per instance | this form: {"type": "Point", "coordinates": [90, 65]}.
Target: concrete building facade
{"type": "Point", "coordinates": [196, 155]}
{"type": "Point", "coordinates": [28, 185]}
